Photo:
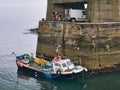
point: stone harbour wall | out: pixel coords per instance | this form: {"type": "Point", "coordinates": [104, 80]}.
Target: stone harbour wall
{"type": "Point", "coordinates": [96, 45]}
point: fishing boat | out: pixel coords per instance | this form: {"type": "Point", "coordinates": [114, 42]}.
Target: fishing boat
{"type": "Point", "coordinates": [54, 68]}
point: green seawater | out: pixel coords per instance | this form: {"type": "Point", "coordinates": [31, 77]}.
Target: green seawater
{"type": "Point", "coordinates": [109, 81]}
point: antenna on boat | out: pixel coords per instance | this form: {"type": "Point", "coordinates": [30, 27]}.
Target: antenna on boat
{"type": "Point", "coordinates": [58, 46]}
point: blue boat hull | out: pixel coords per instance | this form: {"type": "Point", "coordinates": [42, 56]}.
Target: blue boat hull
{"type": "Point", "coordinates": [47, 75]}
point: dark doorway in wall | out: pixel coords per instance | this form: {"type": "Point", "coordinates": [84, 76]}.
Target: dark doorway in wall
{"type": "Point", "coordinates": [73, 5]}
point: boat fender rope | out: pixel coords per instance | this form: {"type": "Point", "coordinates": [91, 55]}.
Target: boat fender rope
{"type": "Point", "coordinates": [58, 72]}
{"type": "Point", "coordinates": [85, 69]}
{"type": "Point", "coordinates": [35, 74]}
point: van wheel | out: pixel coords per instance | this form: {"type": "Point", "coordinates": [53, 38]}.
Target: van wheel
{"type": "Point", "coordinates": [73, 20]}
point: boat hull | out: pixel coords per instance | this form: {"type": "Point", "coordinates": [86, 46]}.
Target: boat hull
{"type": "Point", "coordinates": [35, 73]}
{"type": "Point", "coordinates": [42, 68]}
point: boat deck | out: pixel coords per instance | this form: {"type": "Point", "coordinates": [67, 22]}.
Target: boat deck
{"type": "Point", "coordinates": [35, 66]}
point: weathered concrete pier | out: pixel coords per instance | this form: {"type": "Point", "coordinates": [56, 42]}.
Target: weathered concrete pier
{"type": "Point", "coordinates": [96, 42]}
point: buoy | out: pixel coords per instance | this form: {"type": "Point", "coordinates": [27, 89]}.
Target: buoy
{"type": "Point", "coordinates": [20, 64]}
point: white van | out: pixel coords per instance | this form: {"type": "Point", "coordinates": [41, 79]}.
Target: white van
{"type": "Point", "coordinates": [74, 15]}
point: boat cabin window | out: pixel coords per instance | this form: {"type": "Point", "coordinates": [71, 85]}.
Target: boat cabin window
{"type": "Point", "coordinates": [64, 65]}
{"type": "Point", "coordinates": [69, 63]}
{"type": "Point", "coordinates": [57, 64]}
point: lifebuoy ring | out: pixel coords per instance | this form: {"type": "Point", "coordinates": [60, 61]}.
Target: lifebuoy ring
{"type": "Point", "coordinates": [57, 58]}
{"type": "Point", "coordinates": [58, 72]}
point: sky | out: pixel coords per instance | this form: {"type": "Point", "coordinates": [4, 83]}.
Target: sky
{"type": "Point", "coordinates": [16, 17]}
{"type": "Point", "coordinates": [21, 13]}
{"type": "Point", "coordinates": [8, 3]}
{"type": "Point", "coordinates": [30, 5]}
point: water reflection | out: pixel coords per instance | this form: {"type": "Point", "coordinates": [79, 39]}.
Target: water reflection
{"type": "Point", "coordinates": [54, 84]}
{"type": "Point", "coordinates": [109, 81]}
